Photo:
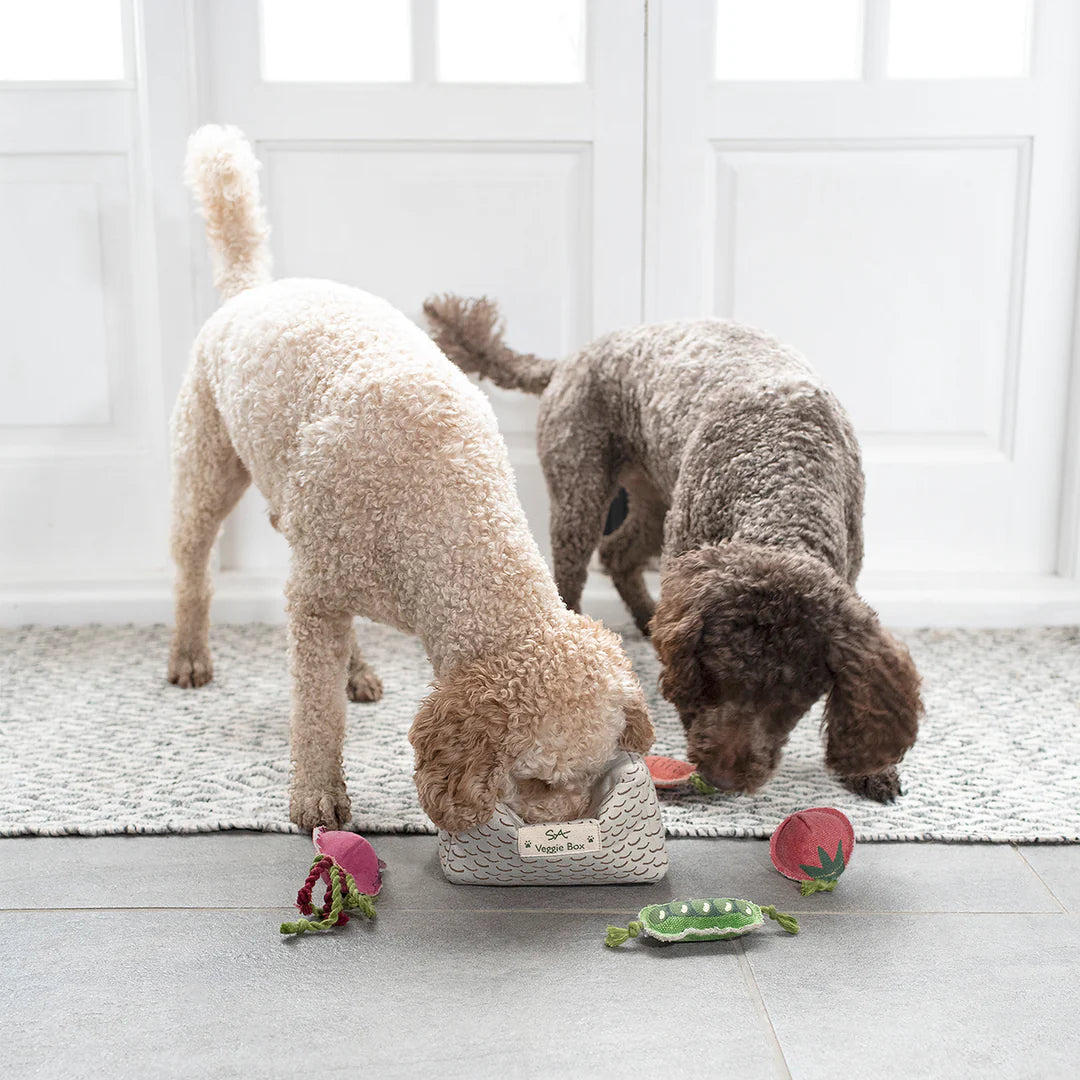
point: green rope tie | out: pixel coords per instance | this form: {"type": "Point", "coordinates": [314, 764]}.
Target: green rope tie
{"type": "Point", "coordinates": [616, 935]}
{"type": "Point", "coordinates": [350, 898]}
{"type": "Point", "coordinates": [356, 900]}
{"type": "Point", "coordinates": [808, 888]}
{"type": "Point", "coordinates": [701, 786]}
{"type": "Point", "coordinates": [787, 922]}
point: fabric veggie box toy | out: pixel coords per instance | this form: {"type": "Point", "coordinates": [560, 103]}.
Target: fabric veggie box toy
{"type": "Point", "coordinates": [621, 842]}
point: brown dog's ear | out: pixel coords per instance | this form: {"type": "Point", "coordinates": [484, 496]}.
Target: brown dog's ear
{"type": "Point", "coordinates": [872, 712]}
{"type": "Point", "coordinates": [676, 631]}
{"type": "Point", "coordinates": [460, 736]}
{"type": "Point", "coordinates": [638, 735]}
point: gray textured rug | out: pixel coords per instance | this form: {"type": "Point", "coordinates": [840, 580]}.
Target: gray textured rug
{"type": "Point", "coordinates": [93, 740]}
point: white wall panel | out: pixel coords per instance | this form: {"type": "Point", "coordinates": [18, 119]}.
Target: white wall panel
{"type": "Point", "coordinates": [52, 321]}
{"type": "Point", "coordinates": [67, 319]}
{"type": "Point", "coordinates": [893, 268]}
{"type": "Point", "coordinates": [406, 221]}
{"type": "Point", "coordinates": [85, 517]}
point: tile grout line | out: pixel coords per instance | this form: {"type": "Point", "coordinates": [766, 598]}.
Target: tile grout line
{"type": "Point", "coordinates": [521, 910]}
{"type": "Point", "coordinates": [1039, 876]}
{"type": "Point", "coordinates": [751, 984]}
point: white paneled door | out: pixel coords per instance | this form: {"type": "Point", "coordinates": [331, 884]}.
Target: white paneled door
{"type": "Point", "coordinates": [894, 188]}
{"type": "Point", "coordinates": [495, 148]}
{"type": "Point", "coordinates": [83, 470]}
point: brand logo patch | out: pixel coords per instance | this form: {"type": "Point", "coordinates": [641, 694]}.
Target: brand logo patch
{"type": "Point", "coordinates": [559, 838]}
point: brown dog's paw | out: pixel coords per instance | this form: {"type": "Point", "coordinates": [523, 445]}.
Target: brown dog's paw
{"type": "Point", "coordinates": [364, 685]}
{"type": "Point", "coordinates": [190, 667]}
{"type": "Point", "coordinates": [311, 808]}
{"type": "Point", "coordinates": [882, 787]}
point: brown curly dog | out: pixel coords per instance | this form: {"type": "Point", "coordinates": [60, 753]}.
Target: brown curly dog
{"type": "Point", "coordinates": [743, 471]}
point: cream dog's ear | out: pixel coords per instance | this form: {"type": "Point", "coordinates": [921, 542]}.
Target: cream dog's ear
{"type": "Point", "coordinates": [463, 753]}
{"type": "Point", "coordinates": [638, 735]}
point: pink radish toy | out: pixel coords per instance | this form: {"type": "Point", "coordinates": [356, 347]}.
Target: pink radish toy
{"type": "Point", "coordinates": [352, 871]}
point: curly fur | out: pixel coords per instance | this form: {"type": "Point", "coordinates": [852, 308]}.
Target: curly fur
{"type": "Point", "coordinates": [470, 334]}
{"type": "Point", "coordinates": [522, 742]}
{"type": "Point", "coordinates": [743, 471]}
{"type": "Point", "coordinates": [222, 172]}
{"type": "Point", "coordinates": [383, 468]}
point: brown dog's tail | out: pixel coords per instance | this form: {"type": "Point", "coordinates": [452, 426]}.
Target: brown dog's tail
{"type": "Point", "coordinates": [470, 332]}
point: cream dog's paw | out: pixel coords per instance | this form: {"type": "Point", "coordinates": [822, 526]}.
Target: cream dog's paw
{"type": "Point", "coordinates": [190, 665]}
{"type": "Point", "coordinates": [364, 684]}
{"type": "Point", "coordinates": [311, 807]}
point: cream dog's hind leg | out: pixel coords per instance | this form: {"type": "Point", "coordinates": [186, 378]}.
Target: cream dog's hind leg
{"type": "Point", "coordinates": [363, 684]}
{"type": "Point", "coordinates": [208, 480]}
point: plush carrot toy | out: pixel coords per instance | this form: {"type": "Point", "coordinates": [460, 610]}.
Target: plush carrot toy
{"type": "Point", "coordinates": [698, 920]}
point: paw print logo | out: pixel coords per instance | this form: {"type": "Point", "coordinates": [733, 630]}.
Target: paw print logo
{"type": "Point", "coordinates": [528, 843]}
{"type": "Point", "coordinates": [591, 840]}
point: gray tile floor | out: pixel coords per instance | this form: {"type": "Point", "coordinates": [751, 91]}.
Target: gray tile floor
{"type": "Point", "coordinates": [160, 957]}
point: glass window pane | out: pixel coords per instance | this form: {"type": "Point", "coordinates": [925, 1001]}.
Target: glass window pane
{"type": "Point", "coordinates": [943, 39]}
{"type": "Point", "coordinates": [511, 41]}
{"type": "Point", "coordinates": [336, 41]}
{"type": "Point", "coordinates": [61, 40]}
{"type": "Point", "coordinates": [788, 39]}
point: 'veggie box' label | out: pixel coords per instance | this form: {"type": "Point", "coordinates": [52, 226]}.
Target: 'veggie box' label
{"type": "Point", "coordinates": [561, 838]}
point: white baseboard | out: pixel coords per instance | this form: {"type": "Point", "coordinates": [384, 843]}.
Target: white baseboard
{"type": "Point", "coordinates": [238, 597]}
{"type": "Point", "coordinates": [909, 601]}
{"type": "Point", "coordinates": [974, 601]}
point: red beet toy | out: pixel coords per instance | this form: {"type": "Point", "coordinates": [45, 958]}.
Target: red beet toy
{"type": "Point", "coordinates": [813, 847]}
{"type": "Point", "coordinates": [352, 871]}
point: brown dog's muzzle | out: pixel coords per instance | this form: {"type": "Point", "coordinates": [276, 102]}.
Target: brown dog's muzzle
{"type": "Point", "coordinates": [734, 748]}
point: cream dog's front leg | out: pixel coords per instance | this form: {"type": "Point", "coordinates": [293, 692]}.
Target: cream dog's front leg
{"type": "Point", "coordinates": [319, 647]}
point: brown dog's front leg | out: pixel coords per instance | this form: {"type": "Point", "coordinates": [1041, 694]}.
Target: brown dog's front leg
{"type": "Point", "coordinates": [319, 646]}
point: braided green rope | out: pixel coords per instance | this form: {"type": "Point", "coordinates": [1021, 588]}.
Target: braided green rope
{"type": "Point", "coordinates": [808, 888]}
{"type": "Point", "coordinates": [355, 900]}
{"type": "Point", "coordinates": [616, 935]}
{"type": "Point", "coordinates": [787, 922]}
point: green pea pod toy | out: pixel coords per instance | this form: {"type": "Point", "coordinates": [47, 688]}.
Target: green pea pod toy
{"type": "Point", "coordinates": [699, 920]}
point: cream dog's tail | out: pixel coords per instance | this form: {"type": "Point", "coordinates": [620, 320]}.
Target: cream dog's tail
{"type": "Point", "coordinates": [222, 172]}
{"type": "Point", "coordinates": [469, 332]}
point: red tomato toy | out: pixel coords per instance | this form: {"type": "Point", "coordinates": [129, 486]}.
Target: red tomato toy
{"type": "Point", "coordinates": [813, 847]}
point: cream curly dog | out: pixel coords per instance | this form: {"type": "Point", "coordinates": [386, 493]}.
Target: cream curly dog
{"type": "Point", "coordinates": [744, 471]}
{"type": "Point", "coordinates": [383, 467]}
